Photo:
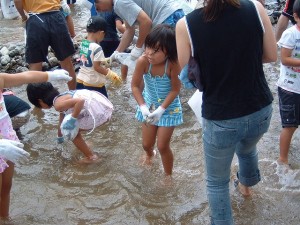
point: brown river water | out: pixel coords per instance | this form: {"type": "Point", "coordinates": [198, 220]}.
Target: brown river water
{"type": "Point", "coordinates": [53, 189]}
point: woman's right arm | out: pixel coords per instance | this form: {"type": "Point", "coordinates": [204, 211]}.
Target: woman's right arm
{"type": "Point", "coordinates": [182, 43]}
{"type": "Point", "coordinates": [269, 41]}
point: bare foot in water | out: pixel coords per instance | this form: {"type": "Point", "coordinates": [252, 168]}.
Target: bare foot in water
{"type": "Point", "coordinates": [167, 181]}
{"type": "Point", "coordinates": [89, 160]}
{"type": "Point", "coordinates": [244, 190]}
{"type": "Point", "coordinates": [147, 160]}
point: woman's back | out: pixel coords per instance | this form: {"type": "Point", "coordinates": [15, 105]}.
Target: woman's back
{"type": "Point", "coordinates": [230, 51]}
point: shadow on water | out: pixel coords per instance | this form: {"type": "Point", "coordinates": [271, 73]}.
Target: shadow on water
{"type": "Point", "coordinates": [53, 189]}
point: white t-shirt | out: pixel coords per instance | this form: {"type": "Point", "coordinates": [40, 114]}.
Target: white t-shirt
{"type": "Point", "coordinates": [87, 73]}
{"type": "Point", "coordinates": [290, 76]}
{"type": "Point", "coordinates": [157, 10]}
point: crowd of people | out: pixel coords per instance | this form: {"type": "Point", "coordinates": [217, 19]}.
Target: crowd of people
{"type": "Point", "coordinates": [236, 103]}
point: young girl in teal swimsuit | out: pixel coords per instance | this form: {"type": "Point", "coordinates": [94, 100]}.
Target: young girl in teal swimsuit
{"type": "Point", "coordinates": [155, 85]}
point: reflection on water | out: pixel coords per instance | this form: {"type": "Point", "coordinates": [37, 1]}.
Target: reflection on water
{"type": "Point", "coordinates": [53, 189]}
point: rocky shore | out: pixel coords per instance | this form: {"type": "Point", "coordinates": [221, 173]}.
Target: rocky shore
{"type": "Point", "coordinates": [12, 58]}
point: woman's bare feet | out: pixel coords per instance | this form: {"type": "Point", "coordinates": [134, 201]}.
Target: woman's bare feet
{"type": "Point", "coordinates": [244, 190]}
{"type": "Point", "coordinates": [89, 160]}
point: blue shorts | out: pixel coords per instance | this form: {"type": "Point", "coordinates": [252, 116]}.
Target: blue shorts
{"type": "Point", "coordinates": [174, 17]}
{"type": "Point", "coordinates": [101, 90]}
{"type": "Point", "coordinates": [289, 105]}
{"type": "Point", "coordinates": [44, 30]}
{"type": "Point", "coordinates": [109, 47]}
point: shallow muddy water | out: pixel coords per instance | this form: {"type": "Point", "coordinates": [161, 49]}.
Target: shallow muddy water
{"type": "Point", "coordinates": [53, 189]}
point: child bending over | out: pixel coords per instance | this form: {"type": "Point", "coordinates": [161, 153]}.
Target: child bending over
{"type": "Point", "coordinates": [84, 109]}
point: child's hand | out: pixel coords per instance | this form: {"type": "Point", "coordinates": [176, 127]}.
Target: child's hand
{"type": "Point", "coordinates": [13, 151]}
{"type": "Point", "coordinates": [114, 77]}
{"type": "Point", "coordinates": [70, 123]}
{"type": "Point", "coordinates": [59, 74]}
{"type": "Point", "coordinates": [145, 111]}
{"type": "Point", "coordinates": [156, 115]}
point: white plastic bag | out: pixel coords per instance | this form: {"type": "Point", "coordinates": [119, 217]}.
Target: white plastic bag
{"type": "Point", "coordinates": [195, 102]}
{"type": "Point", "coordinates": [9, 9]}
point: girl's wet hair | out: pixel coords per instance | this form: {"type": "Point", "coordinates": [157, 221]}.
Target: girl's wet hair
{"type": "Point", "coordinates": [296, 8]}
{"type": "Point", "coordinates": [44, 91]}
{"type": "Point", "coordinates": [162, 37]}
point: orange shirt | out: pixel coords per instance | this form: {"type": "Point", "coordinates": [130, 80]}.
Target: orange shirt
{"type": "Point", "coordinates": [40, 6]}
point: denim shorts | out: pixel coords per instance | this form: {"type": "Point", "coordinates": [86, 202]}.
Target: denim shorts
{"type": "Point", "coordinates": [174, 17]}
{"type": "Point", "coordinates": [289, 104]}
{"type": "Point", "coordinates": [44, 30]}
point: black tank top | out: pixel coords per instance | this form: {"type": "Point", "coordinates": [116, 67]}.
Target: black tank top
{"type": "Point", "coordinates": [229, 51]}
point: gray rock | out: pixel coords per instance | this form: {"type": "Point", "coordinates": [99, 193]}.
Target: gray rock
{"type": "Point", "coordinates": [5, 60]}
{"type": "Point", "coordinates": [4, 51]}
{"type": "Point", "coordinates": [53, 61]}
{"type": "Point", "coordinates": [21, 69]}
{"type": "Point", "coordinates": [13, 52]}
{"type": "Point", "coordinates": [45, 66]}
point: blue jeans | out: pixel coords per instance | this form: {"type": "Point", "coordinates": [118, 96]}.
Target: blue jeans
{"type": "Point", "coordinates": [221, 139]}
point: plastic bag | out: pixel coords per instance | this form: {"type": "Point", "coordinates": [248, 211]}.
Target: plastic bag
{"type": "Point", "coordinates": [125, 59]}
{"type": "Point", "coordinates": [69, 134]}
{"type": "Point", "coordinates": [195, 102]}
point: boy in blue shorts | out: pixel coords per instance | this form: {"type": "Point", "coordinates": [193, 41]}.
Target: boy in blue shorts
{"type": "Point", "coordinates": [289, 84]}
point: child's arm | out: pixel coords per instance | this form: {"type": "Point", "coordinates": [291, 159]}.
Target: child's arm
{"type": "Point", "coordinates": [99, 68]}
{"type": "Point", "coordinates": [62, 104]}
{"type": "Point", "coordinates": [287, 59]}
{"type": "Point", "coordinates": [11, 80]}
{"type": "Point", "coordinates": [137, 83]}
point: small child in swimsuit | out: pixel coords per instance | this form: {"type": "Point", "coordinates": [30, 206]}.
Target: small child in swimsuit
{"type": "Point", "coordinates": [155, 84]}
{"type": "Point", "coordinates": [86, 110]}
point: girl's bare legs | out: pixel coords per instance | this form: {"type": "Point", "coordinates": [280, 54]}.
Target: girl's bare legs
{"type": "Point", "coordinates": [90, 156]}
{"type": "Point", "coordinates": [149, 138]}
{"type": "Point", "coordinates": [285, 142]}
{"type": "Point", "coordinates": [6, 185]}
{"type": "Point", "coordinates": [164, 135]}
